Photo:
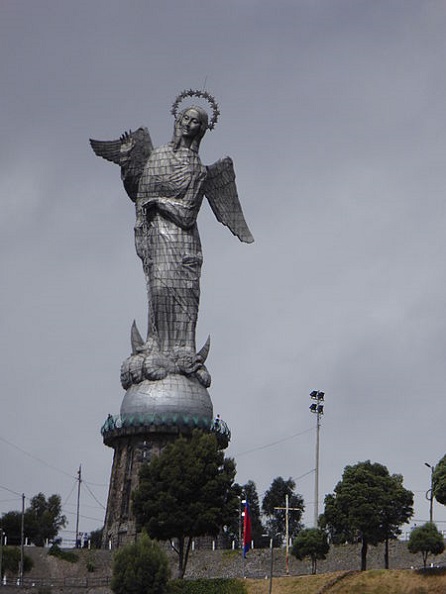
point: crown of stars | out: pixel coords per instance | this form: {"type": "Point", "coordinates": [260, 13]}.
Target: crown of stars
{"type": "Point", "coordinates": [203, 95]}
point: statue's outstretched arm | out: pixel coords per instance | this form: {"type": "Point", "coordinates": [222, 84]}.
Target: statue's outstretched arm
{"type": "Point", "coordinates": [221, 192]}
{"type": "Point", "coordinates": [182, 213]}
{"type": "Point", "coordinates": [131, 152]}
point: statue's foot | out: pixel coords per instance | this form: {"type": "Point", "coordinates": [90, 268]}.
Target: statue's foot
{"type": "Point", "coordinates": [156, 367]}
{"type": "Point", "coordinates": [187, 361]}
{"type": "Point", "coordinates": [132, 371]}
{"type": "Point", "coordinates": [203, 376]}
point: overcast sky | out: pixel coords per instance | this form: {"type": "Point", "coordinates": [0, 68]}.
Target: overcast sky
{"type": "Point", "coordinates": [334, 113]}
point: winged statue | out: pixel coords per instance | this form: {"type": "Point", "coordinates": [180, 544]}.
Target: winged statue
{"type": "Point", "coordinates": [167, 185]}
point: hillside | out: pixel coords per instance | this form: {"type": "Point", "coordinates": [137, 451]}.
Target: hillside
{"type": "Point", "coordinates": [92, 572]}
{"type": "Point", "coordinates": [369, 582]}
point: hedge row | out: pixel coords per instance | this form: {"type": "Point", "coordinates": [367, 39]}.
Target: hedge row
{"type": "Point", "coordinates": [217, 586]}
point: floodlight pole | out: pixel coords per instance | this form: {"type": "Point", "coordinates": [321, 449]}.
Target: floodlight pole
{"type": "Point", "coordinates": [316, 478]}
{"type": "Point", "coordinates": [318, 409]}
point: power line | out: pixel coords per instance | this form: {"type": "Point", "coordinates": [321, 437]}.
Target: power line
{"type": "Point", "coordinates": [70, 493]}
{"type": "Point", "coordinates": [35, 457]}
{"type": "Point", "coordinates": [273, 443]}
{"type": "Point", "coordinates": [11, 491]}
{"type": "Point", "coordinates": [93, 495]}
{"type": "Point", "coordinates": [54, 468]}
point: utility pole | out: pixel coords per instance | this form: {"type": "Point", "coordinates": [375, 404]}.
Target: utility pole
{"type": "Point", "coordinates": [1, 550]}
{"type": "Point", "coordinates": [22, 541]}
{"type": "Point", "coordinates": [318, 409]}
{"type": "Point", "coordinates": [79, 481]}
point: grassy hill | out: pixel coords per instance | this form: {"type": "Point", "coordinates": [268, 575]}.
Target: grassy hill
{"type": "Point", "coordinates": [375, 581]}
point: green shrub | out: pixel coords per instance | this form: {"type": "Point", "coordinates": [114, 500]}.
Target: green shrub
{"type": "Point", "coordinates": [216, 586]}
{"type": "Point", "coordinates": [140, 568]}
{"type": "Point", "coordinates": [69, 556]}
{"type": "Point", "coordinates": [11, 561]}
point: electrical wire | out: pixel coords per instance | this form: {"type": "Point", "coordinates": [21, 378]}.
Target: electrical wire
{"type": "Point", "coordinates": [273, 443]}
{"type": "Point", "coordinates": [35, 457]}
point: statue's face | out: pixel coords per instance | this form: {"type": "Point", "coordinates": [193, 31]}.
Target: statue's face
{"type": "Point", "coordinates": [190, 123]}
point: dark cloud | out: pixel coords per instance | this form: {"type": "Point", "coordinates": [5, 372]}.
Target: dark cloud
{"type": "Point", "coordinates": [334, 116]}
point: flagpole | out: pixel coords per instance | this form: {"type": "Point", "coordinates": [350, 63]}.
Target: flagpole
{"type": "Point", "coordinates": [246, 532]}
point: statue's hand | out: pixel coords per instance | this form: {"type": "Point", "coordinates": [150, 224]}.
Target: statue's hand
{"type": "Point", "coordinates": [127, 142]}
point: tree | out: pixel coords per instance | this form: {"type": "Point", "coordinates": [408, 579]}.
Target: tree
{"type": "Point", "coordinates": [43, 519]}
{"type": "Point", "coordinates": [185, 492]}
{"type": "Point", "coordinates": [140, 568]}
{"type": "Point", "coordinates": [426, 540]}
{"type": "Point", "coordinates": [439, 481]}
{"type": "Point", "coordinates": [313, 543]}
{"type": "Point", "coordinates": [248, 492]}
{"type": "Point", "coordinates": [12, 526]}
{"type": "Point", "coordinates": [396, 511]}
{"type": "Point", "coordinates": [368, 506]}
{"type": "Point", "coordinates": [275, 498]}
{"type": "Point", "coordinates": [96, 538]}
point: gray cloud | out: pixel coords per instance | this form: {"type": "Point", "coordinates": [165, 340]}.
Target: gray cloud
{"type": "Point", "coordinates": [334, 116]}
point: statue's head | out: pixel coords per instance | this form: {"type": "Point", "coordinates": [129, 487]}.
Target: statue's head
{"type": "Point", "coordinates": [190, 127]}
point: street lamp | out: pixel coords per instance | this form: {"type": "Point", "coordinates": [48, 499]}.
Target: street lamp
{"type": "Point", "coordinates": [430, 493]}
{"type": "Point", "coordinates": [318, 409]}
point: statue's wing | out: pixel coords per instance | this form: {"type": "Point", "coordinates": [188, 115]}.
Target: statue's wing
{"type": "Point", "coordinates": [131, 152]}
{"type": "Point", "coordinates": [107, 149]}
{"type": "Point", "coordinates": [221, 191]}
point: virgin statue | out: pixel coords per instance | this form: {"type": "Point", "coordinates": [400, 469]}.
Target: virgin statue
{"type": "Point", "coordinates": [167, 185]}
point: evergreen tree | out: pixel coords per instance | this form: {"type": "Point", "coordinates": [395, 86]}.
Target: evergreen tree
{"type": "Point", "coordinates": [249, 492]}
{"type": "Point", "coordinates": [232, 532]}
{"type": "Point", "coordinates": [368, 506]}
{"type": "Point", "coordinates": [275, 498]}
{"type": "Point", "coordinates": [185, 492]}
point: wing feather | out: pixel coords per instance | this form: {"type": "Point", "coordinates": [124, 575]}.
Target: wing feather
{"type": "Point", "coordinates": [131, 152]}
{"type": "Point", "coordinates": [107, 149]}
{"type": "Point", "coordinates": [221, 192]}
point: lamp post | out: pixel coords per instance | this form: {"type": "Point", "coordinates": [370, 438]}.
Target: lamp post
{"type": "Point", "coordinates": [430, 493]}
{"type": "Point", "coordinates": [318, 409]}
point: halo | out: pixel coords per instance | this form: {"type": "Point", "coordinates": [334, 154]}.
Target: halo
{"type": "Point", "coordinates": [203, 95]}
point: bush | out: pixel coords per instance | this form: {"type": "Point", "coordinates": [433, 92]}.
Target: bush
{"type": "Point", "coordinates": [56, 551]}
{"type": "Point", "coordinates": [140, 568]}
{"type": "Point", "coordinates": [11, 561]}
{"type": "Point", "coordinates": [217, 586]}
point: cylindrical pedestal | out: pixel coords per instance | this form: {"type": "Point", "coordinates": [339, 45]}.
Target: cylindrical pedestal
{"type": "Point", "coordinates": [153, 413]}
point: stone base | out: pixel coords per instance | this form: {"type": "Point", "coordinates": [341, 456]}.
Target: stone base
{"type": "Point", "coordinates": [153, 414]}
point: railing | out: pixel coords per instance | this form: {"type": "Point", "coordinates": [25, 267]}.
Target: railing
{"type": "Point", "coordinates": [67, 582]}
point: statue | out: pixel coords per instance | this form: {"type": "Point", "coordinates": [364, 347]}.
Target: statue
{"type": "Point", "coordinates": [167, 185]}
